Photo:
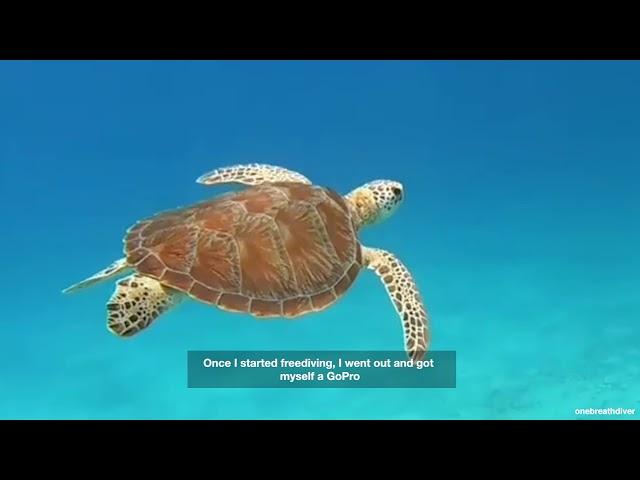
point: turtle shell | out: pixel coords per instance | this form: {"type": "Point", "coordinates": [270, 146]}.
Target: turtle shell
{"type": "Point", "coordinates": [274, 250]}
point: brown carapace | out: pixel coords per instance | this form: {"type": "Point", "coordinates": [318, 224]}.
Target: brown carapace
{"type": "Point", "coordinates": [281, 247]}
{"type": "Point", "coordinates": [275, 250]}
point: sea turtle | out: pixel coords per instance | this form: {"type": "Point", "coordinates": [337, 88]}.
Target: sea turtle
{"type": "Point", "coordinates": [282, 247]}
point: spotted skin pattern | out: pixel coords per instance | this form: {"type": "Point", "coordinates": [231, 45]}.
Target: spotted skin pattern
{"type": "Point", "coordinates": [375, 201]}
{"type": "Point", "coordinates": [406, 299]}
{"type": "Point", "coordinates": [136, 302]}
{"type": "Point", "coordinates": [251, 174]}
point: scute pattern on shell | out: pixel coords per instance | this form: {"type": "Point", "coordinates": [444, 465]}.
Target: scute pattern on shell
{"type": "Point", "coordinates": [281, 249]}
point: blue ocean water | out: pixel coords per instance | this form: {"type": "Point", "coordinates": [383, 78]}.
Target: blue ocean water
{"type": "Point", "coordinates": [520, 225]}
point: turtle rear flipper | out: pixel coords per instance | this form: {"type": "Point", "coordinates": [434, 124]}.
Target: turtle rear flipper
{"type": "Point", "coordinates": [136, 302]}
{"type": "Point", "coordinates": [118, 267]}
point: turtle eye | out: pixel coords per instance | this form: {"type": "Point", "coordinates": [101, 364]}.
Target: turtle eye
{"type": "Point", "coordinates": [397, 192]}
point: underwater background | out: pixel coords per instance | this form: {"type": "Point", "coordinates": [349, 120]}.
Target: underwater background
{"type": "Point", "coordinates": [520, 225]}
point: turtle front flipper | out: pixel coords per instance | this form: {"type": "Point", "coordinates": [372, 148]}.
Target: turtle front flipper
{"type": "Point", "coordinates": [136, 302]}
{"type": "Point", "coordinates": [251, 174]}
{"type": "Point", "coordinates": [118, 267]}
{"type": "Point", "coordinates": [406, 299]}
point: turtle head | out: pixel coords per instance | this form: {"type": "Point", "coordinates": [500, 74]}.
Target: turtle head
{"type": "Point", "coordinates": [376, 201]}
